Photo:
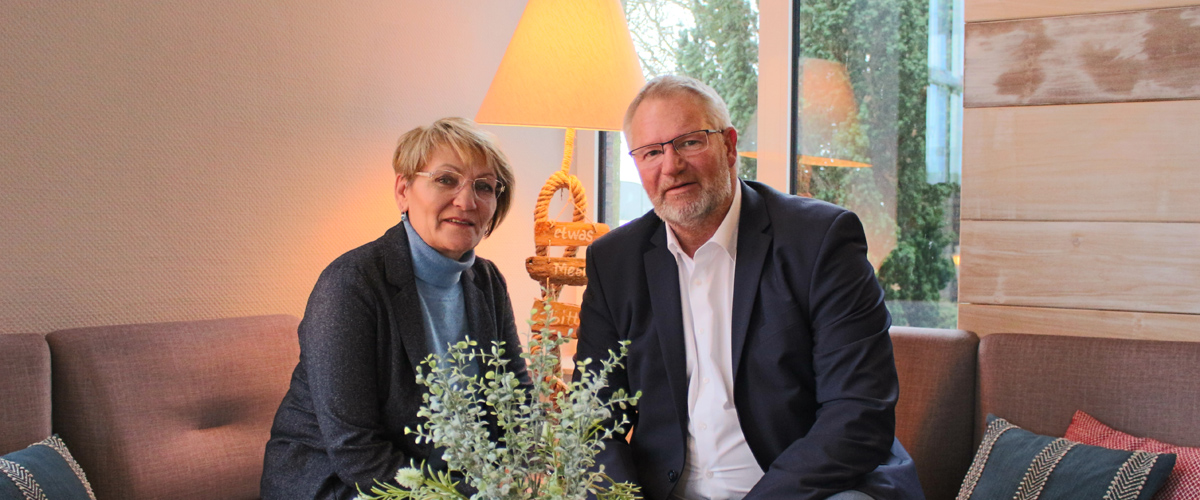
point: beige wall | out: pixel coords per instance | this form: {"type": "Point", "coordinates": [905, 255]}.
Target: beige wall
{"type": "Point", "coordinates": [186, 160]}
{"type": "Point", "coordinates": [1081, 168]}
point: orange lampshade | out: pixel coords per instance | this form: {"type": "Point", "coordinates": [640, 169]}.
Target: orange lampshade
{"type": "Point", "coordinates": [828, 114]}
{"type": "Point", "coordinates": [571, 63]}
{"type": "Point", "coordinates": [828, 111]}
{"type": "Point", "coordinates": [828, 121]}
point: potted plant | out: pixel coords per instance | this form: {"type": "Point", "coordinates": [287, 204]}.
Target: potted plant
{"type": "Point", "coordinates": [547, 441]}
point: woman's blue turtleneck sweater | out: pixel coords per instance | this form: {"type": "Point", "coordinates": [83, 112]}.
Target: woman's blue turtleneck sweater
{"type": "Point", "coordinates": [440, 292]}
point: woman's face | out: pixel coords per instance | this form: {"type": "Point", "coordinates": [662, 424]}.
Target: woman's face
{"type": "Point", "coordinates": [450, 222]}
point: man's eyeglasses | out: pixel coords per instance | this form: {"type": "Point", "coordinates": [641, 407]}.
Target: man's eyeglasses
{"type": "Point", "coordinates": [451, 182]}
{"type": "Point", "coordinates": [687, 144]}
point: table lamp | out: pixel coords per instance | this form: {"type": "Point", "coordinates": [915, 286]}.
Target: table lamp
{"type": "Point", "coordinates": [571, 64]}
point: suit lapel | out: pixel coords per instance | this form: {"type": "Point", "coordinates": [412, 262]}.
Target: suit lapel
{"type": "Point", "coordinates": [409, 324]}
{"type": "Point", "coordinates": [752, 245]}
{"type": "Point", "coordinates": [662, 277]}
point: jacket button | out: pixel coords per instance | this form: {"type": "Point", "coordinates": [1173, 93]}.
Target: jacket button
{"type": "Point", "coordinates": [672, 476]}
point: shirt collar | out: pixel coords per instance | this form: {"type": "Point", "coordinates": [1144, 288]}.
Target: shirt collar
{"type": "Point", "coordinates": [726, 234]}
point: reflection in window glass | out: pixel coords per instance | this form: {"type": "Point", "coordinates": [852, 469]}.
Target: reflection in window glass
{"type": "Point", "coordinates": [715, 41]}
{"type": "Point", "coordinates": [879, 97]}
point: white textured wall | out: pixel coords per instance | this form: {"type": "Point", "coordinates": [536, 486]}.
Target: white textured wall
{"type": "Point", "coordinates": [182, 160]}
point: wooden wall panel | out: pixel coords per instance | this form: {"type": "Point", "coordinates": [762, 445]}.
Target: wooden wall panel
{"type": "Point", "coordinates": [984, 320]}
{"type": "Point", "coordinates": [1081, 168]}
{"type": "Point", "coordinates": [1082, 265]}
{"type": "Point", "coordinates": [994, 10]}
{"type": "Point", "coordinates": [1125, 56]}
{"type": "Point", "coordinates": [1095, 162]}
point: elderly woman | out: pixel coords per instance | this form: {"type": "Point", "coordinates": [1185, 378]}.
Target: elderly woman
{"type": "Point", "coordinates": [380, 309]}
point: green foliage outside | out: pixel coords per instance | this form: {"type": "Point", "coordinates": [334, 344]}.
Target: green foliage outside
{"type": "Point", "coordinates": [884, 45]}
{"type": "Point", "coordinates": [722, 51]}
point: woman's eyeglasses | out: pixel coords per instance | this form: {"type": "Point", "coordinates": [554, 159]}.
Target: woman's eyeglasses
{"type": "Point", "coordinates": [451, 182]}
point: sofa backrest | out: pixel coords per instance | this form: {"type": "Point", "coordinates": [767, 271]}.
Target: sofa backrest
{"type": "Point", "coordinates": [24, 390]}
{"type": "Point", "coordinates": [1144, 388]}
{"type": "Point", "coordinates": [937, 404]}
{"type": "Point", "coordinates": [172, 410]}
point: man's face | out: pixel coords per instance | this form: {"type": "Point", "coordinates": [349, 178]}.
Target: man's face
{"type": "Point", "coordinates": [686, 190]}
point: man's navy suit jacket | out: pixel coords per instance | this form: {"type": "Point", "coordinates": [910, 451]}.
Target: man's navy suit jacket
{"type": "Point", "coordinates": [814, 379]}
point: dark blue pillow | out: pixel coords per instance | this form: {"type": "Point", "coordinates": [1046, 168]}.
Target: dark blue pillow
{"type": "Point", "coordinates": [1018, 464]}
{"type": "Point", "coordinates": [43, 471]}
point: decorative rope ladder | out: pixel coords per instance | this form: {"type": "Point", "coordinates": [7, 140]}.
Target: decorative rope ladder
{"type": "Point", "coordinates": [555, 272]}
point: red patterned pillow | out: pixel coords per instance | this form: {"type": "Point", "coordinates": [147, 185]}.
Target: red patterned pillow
{"type": "Point", "coordinates": [1184, 481]}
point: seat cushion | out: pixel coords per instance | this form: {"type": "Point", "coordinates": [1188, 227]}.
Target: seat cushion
{"type": "Point", "coordinates": [25, 391]}
{"type": "Point", "coordinates": [172, 410]}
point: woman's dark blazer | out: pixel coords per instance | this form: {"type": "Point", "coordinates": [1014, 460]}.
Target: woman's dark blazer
{"type": "Point", "coordinates": [354, 391]}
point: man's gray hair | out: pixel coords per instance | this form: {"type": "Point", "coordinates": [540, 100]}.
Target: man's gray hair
{"type": "Point", "coordinates": [664, 86]}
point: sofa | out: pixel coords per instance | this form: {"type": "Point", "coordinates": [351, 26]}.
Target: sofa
{"type": "Point", "coordinates": [183, 410]}
{"type": "Point", "coordinates": [950, 381]}
{"type": "Point", "coordinates": [167, 410]}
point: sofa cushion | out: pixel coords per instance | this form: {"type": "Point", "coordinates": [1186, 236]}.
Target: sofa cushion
{"type": "Point", "coordinates": [936, 411]}
{"type": "Point", "coordinates": [172, 410]}
{"type": "Point", "coordinates": [1015, 463]}
{"type": "Point", "coordinates": [1184, 482]}
{"type": "Point", "coordinates": [25, 391]}
{"type": "Point", "coordinates": [1143, 387]}
{"type": "Point", "coordinates": [43, 471]}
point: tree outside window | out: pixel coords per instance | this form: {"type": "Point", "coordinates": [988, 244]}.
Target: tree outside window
{"type": "Point", "coordinates": [903, 59]}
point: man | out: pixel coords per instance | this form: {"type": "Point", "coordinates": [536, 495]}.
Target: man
{"type": "Point", "coordinates": [757, 331]}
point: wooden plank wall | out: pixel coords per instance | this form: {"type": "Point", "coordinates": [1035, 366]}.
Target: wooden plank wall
{"type": "Point", "coordinates": [1081, 168]}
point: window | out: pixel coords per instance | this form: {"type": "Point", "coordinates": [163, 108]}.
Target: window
{"type": "Point", "coordinates": [877, 98]}
{"type": "Point", "coordinates": [879, 117]}
{"type": "Point", "coordinates": [715, 41]}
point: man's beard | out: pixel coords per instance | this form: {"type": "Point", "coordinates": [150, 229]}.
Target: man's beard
{"type": "Point", "coordinates": [687, 214]}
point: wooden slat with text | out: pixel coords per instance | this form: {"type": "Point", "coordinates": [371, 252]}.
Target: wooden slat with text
{"type": "Point", "coordinates": [558, 270]}
{"type": "Point", "coordinates": [985, 319]}
{"type": "Point", "coordinates": [565, 319]}
{"type": "Point", "coordinates": [1100, 162]}
{"type": "Point", "coordinates": [993, 10]}
{"type": "Point", "coordinates": [567, 233]}
{"type": "Point", "coordinates": [1082, 265]}
{"type": "Point", "coordinates": [1117, 57]}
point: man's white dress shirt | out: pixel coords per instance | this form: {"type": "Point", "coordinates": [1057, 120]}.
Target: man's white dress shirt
{"type": "Point", "coordinates": [719, 465]}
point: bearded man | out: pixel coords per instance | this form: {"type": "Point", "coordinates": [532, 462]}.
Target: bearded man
{"type": "Point", "coordinates": [757, 331]}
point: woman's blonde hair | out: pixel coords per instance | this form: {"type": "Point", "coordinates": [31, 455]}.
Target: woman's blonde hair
{"type": "Point", "coordinates": [467, 141]}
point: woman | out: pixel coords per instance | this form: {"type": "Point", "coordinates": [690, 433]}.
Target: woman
{"type": "Point", "coordinates": [379, 310]}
